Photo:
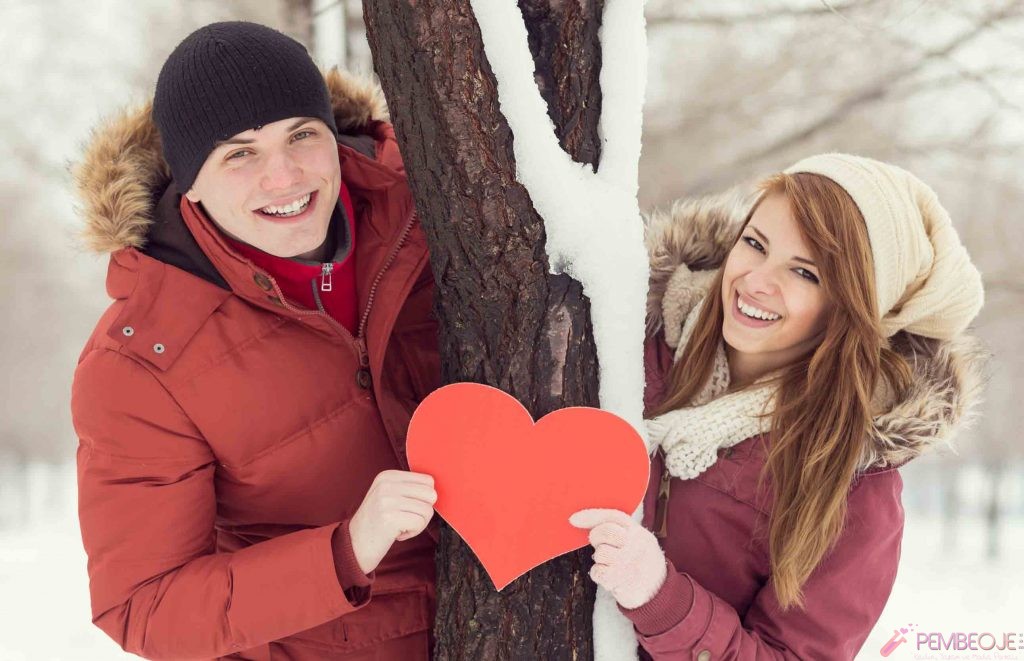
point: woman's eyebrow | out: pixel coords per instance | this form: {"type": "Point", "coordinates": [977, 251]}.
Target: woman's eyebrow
{"type": "Point", "coordinates": [764, 239]}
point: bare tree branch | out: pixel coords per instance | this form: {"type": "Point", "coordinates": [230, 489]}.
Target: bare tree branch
{"type": "Point", "coordinates": [774, 14]}
{"type": "Point", "coordinates": [875, 91]}
{"type": "Point", "coordinates": [944, 81]}
{"type": "Point", "coordinates": [1012, 10]}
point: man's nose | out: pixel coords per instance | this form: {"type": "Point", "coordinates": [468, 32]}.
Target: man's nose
{"type": "Point", "coordinates": [280, 172]}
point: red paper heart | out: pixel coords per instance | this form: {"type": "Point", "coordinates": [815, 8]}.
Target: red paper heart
{"type": "Point", "coordinates": [508, 485]}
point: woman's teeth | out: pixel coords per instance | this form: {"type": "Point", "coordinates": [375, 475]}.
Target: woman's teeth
{"type": "Point", "coordinates": [293, 209]}
{"type": "Point", "coordinates": [756, 313]}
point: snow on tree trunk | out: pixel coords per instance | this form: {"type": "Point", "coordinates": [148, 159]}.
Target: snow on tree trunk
{"type": "Point", "coordinates": [510, 314]}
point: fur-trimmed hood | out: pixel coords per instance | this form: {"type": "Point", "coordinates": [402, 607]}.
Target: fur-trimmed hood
{"type": "Point", "coordinates": [688, 243]}
{"type": "Point", "coordinates": [122, 170]}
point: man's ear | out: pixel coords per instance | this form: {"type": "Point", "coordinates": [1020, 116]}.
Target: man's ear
{"type": "Point", "coordinates": [192, 196]}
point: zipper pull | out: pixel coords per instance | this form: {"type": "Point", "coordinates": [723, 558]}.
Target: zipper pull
{"type": "Point", "coordinates": [363, 376]}
{"type": "Point", "coordinates": [364, 354]}
{"type": "Point", "coordinates": [661, 508]}
{"type": "Point", "coordinates": [325, 275]}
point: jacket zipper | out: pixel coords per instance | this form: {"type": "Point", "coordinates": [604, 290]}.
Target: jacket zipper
{"type": "Point", "coordinates": [661, 508]}
{"type": "Point", "coordinates": [316, 296]}
{"type": "Point", "coordinates": [364, 356]}
{"type": "Point", "coordinates": [325, 277]}
{"type": "Point", "coordinates": [387, 263]}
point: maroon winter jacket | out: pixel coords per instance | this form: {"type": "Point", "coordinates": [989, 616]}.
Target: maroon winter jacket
{"type": "Point", "coordinates": [718, 601]}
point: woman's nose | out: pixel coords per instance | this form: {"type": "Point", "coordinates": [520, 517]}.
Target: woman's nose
{"type": "Point", "coordinates": [762, 280]}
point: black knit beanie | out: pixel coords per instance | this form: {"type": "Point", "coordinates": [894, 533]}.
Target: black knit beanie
{"type": "Point", "coordinates": [230, 77]}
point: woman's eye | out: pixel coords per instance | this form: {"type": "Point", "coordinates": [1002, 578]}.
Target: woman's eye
{"type": "Point", "coordinates": [305, 133]}
{"type": "Point", "coordinates": [233, 155]}
{"type": "Point", "coordinates": [804, 273]}
{"type": "Point", "coordinates": [754, 243]}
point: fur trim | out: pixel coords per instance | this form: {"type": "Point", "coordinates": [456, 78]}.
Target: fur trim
{"type": "Point", "coordinates": [694, 234]}
{"type": "Point", "coordinates": [120, 168]}
{"type": "Point", "coordinates": [688, 244]}
{"type": "Point", "coordinates": [123, 167]}
{"type": "Point", "coordinates": [357, 100]}
{"type": "Point", "coordinates": [946, 388]}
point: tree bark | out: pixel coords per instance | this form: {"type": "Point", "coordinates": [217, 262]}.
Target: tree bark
{"type": "Point", "coordinates": [504, 321]}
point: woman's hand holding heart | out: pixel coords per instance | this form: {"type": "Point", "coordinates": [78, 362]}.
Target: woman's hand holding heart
{"type": "Point", "coordinates": [628, 562]}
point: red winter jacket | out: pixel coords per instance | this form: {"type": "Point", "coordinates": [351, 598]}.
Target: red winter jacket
{"type": "Point", "coordinates": [227, 435]}
{"type": "Point", "coordinates": [718, 601]}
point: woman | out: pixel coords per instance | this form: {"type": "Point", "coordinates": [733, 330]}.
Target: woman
{"type": "Point", "coordinates": [822, 352]}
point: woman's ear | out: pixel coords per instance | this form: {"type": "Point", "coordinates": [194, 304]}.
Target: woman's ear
{"type": "Point", "coordinates": [192, 196]}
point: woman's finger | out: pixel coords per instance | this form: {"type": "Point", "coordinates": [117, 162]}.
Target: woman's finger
{"type": "Point", "coordinates": [611, 534]}
{"type": "Point", "coordinates": [607, 555]}
{"type": "Point", "coordinates": [600, 575]}
{"type": "Point", "coordinates": [593, 517]}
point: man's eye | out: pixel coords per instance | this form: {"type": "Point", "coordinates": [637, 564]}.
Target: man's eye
{"type": "Point", "coordinates": [241, 152]}
{"type": "Point", "coordinates": [304, 132]}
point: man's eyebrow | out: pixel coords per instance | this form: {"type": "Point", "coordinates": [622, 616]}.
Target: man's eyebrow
{"type": "Point", "coordinates": [244, 141]}
{"type": "Point", "coordinates": [766, 242]}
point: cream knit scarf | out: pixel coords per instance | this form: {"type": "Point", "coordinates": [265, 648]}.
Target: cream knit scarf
{"type": "Point", "coordinates": [690, 436]}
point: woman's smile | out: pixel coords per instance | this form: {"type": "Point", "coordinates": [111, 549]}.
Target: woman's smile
{"type": "Point", "coordinates": [751, 315]}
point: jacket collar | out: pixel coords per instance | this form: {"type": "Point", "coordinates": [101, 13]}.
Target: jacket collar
{"type": "Point", "coordinates": [685, 246]}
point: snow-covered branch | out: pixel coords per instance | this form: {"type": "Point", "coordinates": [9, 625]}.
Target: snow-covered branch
{"type": "Point", "coordinates": [592, 220]}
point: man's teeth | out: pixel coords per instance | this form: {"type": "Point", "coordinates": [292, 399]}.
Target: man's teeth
{"type": "Point", "coordinates": [756, 313]}
{"type": "Point", "coordinates": [295, 208]}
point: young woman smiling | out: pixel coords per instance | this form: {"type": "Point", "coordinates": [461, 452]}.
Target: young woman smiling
{"type": "Point", "coordinates": [810, 347]}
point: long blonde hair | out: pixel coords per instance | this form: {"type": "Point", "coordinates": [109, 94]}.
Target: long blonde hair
{"type": "Point", "coordinates": [823, 405]}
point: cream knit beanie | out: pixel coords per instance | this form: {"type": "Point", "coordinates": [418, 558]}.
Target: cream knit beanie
{"type": "Point", "coordinates": [926, 282]}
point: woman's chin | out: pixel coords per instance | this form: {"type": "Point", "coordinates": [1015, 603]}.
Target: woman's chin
{"type": "Point", "coordinates": [743, 343]}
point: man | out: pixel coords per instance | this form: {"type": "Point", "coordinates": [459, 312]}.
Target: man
{"type": "Point", "coordinates": [243, 403]}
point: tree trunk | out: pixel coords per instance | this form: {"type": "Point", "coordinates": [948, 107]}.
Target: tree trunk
{"type": "Point", "coordinates": [504, 320]}
{"type": "Point", "coordinates": [993, 515]}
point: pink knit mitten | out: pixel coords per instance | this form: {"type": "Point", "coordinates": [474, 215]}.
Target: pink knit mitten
{"type": "Point", "coordinates": [628, 562]}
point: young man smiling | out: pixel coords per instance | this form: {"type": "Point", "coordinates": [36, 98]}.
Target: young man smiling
{"type": "Point", "coordinates": [242, 405]}
{"type": "Point", "coordinates": [285, 172]}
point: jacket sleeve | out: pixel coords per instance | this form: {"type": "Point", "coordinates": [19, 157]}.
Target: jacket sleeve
{"type": "Point", "coordinates": [147, 508]}
{"type": "Point", "coordinates": [844, 597]}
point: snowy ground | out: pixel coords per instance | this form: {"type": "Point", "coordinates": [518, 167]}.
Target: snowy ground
{"type": "Point", "coordinates": [945, 593]}
{"type": "Point", "coordinates": [44, 603]}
